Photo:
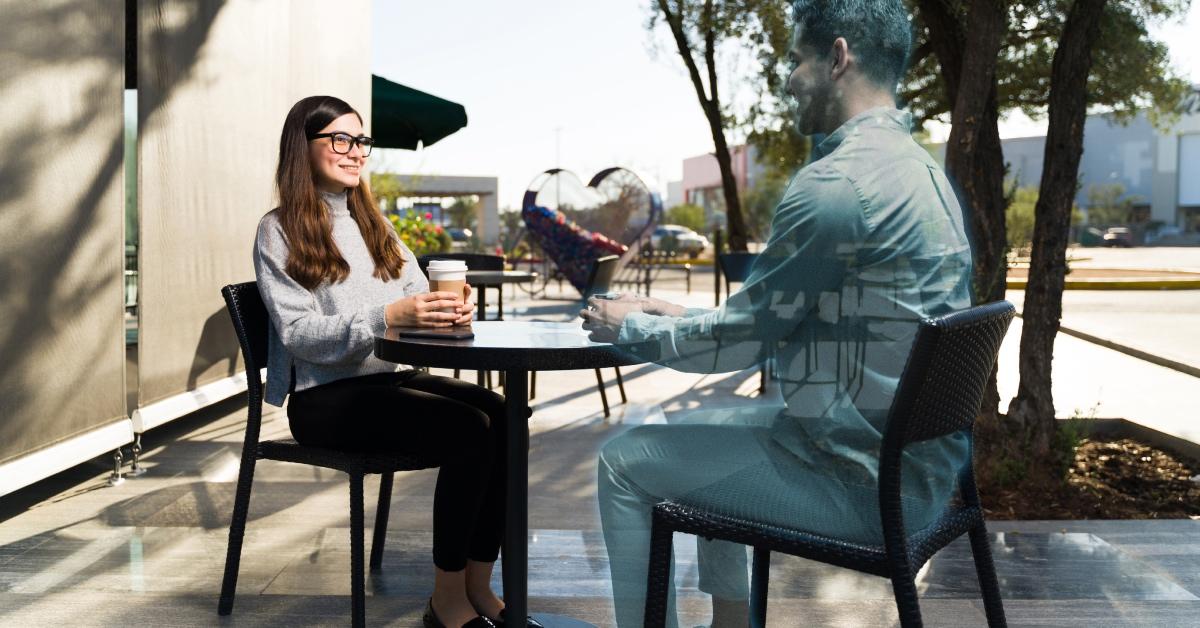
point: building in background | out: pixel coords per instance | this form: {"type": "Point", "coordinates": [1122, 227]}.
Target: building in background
{"type": "Point", "coordinates": [701, 183]}
{"type": "Point", "coordinates": [1158, 168]}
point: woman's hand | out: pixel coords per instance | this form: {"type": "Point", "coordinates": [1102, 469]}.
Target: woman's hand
{"type": "Point", "coordinates": [424, 310]}
{"type": "Point", "coordinates": [466, 313]}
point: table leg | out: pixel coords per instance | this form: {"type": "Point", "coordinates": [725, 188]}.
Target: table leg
{"type": "Point", "coordinates": [516, 543]}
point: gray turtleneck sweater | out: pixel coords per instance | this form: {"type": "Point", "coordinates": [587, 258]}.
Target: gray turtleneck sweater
{"type": "Point", "coordinates": [327, 333]}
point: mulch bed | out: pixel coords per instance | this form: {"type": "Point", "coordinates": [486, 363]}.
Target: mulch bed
{"type": "Point", "coordinates": [1110, 479]}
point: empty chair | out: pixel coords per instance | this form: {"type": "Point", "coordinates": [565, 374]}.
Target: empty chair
{"type": "Point", "coordinates": [251, 324]}
{"type": "Point", "coordinates": [735, 267]}
{"type": "Point", "coordinates": [939, 393]}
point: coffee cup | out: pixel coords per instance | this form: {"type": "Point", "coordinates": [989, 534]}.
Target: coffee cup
{"type": "Point", "coordinates": [448, 275]}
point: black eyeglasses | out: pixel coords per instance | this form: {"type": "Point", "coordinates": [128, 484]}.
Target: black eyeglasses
{"type": "Point", "coordinates": [342, 142]}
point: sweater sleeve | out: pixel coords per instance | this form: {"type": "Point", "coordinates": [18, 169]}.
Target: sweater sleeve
{"type": "Point", "coordinates": [304, 331]}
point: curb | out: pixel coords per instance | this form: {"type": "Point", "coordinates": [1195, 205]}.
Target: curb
{"type": "Point", "coordinates": [1117, 284]}
{"type": "Point", "coordinates": [1174, 365]}
{"type": "Point", "coordinates": [1124, 428]}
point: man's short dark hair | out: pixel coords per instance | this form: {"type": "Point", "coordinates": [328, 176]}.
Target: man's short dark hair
{"type": "Point", "coordinates": [878, 32]}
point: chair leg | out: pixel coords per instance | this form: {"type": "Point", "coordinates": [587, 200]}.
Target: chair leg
{"type": "Point", "coordinates": [500, 302]}
{"type": "Point", "coordinates": [907, 605]}
{"type": "Point", "coordinates": [379, 536]}
{"type": "Point", "coordinates": [237, 529]}
{"type": "Point", "coordinates": [358, 586]}
{"type": "Point", "coordinates": [985, 569]}
{"type": "Point", "coordinates": [620, 384]}
{"type": "Point", "coordinates": [762, 378]}
{"type": "Point", "coordinates": [658, 575]}
{"type": "Point", "coordinates": [455, 373]}
{"type": "Point", "coordinates": [603, 395]}
{"type": "Point", "coordinates": [759, 581]}
{"type": "Point", "coordinates": [532, 385]}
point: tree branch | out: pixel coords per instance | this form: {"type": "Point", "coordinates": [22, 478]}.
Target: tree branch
{"type": "Point", "coordinates": [675, 21]}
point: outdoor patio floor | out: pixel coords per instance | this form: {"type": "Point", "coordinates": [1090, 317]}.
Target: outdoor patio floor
{"type": "Point", "coordinates": [151, 550]}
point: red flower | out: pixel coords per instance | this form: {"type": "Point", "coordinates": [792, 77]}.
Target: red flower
{"type": "Point", "coordinates": [438, 229]}
{"type": "Point", "coordinates": [428, 216]}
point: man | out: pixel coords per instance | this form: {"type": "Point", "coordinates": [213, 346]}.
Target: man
{"type": "Point", "coordinates": [868, 240]}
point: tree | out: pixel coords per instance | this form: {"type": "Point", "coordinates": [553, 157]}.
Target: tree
{"type": "Point", "coordinates": [698, 27]}
{"type": "Point", "coordinates": [687, 215]}
{"type": "Point", "coordinates": [1019, 219]}
{"type": "Point", "coordinates": [462, 212]}
{"type": "Point", "coordinates": [1045, 65]}
{"type": "Point", "coordinates": [1108, 205]}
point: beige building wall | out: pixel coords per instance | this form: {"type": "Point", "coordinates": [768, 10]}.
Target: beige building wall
{"type": "Point", "coordinates": [215, 80]}
{"type": "Point", "coordinates": [62, 349]}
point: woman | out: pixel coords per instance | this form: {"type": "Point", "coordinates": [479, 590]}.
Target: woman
{"type": "Point", "coordinates": [333, 274]}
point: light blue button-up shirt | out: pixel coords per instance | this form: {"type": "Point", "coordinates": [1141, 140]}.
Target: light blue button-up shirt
{"type": "Point", "coordinates": [868, 240]}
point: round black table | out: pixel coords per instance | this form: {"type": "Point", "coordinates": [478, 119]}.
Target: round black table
{"type": "Point", "coordinates": [484, 279]}
{"type": "Point", "coordinates": [515, 348]}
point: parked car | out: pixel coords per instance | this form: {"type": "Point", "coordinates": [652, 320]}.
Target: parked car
{"type": "Point", "coordinates": [459, 235]}
{"type": "Point", "coordinates": [677, 239]}
{"type": "Point", "coordinates": [1118, 236]}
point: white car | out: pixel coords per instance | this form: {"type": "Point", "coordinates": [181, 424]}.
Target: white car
{"type": "Point", "coordinates": [677, 239]}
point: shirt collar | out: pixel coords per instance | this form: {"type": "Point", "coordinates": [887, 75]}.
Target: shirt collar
{"type": "Point", "coordinates": [879, 116]}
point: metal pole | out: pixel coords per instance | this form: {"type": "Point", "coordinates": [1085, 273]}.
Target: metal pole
{"type": "Point", "coordinates": [718, 245]}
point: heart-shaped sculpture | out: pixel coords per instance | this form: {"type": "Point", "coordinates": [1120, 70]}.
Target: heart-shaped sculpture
{"type": "Point", "coordinates": [576, 224]}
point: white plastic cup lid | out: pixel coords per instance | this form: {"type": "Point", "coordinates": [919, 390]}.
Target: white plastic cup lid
{"type": "Point", "coordinates": [447, 265]}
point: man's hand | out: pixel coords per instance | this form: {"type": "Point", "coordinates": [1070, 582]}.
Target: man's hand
{"type": "Point", "coordinates": [603, 317]}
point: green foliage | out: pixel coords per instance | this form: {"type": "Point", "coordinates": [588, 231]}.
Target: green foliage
{"type": "Point", "coordinates": [1130, 70]}
{"type": "Point", "coordinates": [1019, 219]}
{"type": "Point", "coordinates": [1108, 205]}
{"type": "Point", "coordinates": [462, 212]}
{"type": "Point", "coordinates": [419, 234]}
{"type": "Point", "coordinates": [761, 200]}
{"type": "Point", "coordinates": [687, 215]}
{"type": "Point", "coordinates": [387, 187]}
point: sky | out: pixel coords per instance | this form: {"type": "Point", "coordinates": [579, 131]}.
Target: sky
{"type": "Point", "coordinates": [577, 84]}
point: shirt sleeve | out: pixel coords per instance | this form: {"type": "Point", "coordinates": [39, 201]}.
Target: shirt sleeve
{"type": "Point", "coordinates": [304, 331]}
{"type": "Point", "coordinates": [811, 248]}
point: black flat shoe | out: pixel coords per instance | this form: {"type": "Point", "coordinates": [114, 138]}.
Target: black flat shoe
{"type": "Point", "coordinates": [529, 621]}
{"type": "Point", "coordinates": [430, 619]}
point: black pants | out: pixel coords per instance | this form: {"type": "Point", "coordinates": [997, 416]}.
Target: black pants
{"type": "Point", "coordinates": [460, 424]}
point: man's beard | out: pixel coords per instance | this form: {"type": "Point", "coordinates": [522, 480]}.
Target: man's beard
{"type": "Point", "coordinates": [810, 115]}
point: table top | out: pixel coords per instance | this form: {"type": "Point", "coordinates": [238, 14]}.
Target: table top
{"type": "Point", "coordinates": [513, 345]}
{"type": "Point", "coordinates": [495, 277]}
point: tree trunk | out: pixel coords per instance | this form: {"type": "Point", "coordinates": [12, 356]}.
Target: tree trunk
{"type": "Point", "coordinates": [710, 102]}
{"type": "Point", "coordinates": [974, 159]}
{"type": "Point", "coordinates": [1032, 411]}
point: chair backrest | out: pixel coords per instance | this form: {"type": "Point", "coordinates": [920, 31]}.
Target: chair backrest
{"type": "Point", "coordinates": [475, 261]}
{"type": "Point", "coordinates": [948, 367]}
{"type": "Point", "coordinates": [736, 266]}
{"type": "Point", "coordinates": [601, 277]}
{"type": "Point", "coordinates": [251, 324]}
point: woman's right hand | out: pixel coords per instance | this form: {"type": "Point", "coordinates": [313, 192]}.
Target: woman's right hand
{"type": "Point", "coordinates": [423, 310]}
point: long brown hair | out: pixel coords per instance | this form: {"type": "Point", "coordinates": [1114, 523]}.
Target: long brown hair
{"type": "Point", "coordinates": [313, 256]}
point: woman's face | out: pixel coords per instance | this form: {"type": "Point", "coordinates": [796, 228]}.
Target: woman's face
{"type": "Point", "coordinates": [332, 171]}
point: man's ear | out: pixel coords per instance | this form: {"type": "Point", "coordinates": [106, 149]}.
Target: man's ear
{"type": "Point", "coordinates": [840, 58]}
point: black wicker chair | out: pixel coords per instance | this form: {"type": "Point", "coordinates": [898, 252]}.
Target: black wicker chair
{"type": "Point", "coordinates": [735, 267]}
{"type": "Point", "coordinates": [251, 324]}
{"type": "Point", "coordinates": [939, 393]}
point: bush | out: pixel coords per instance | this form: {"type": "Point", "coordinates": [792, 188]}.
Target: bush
{"type": "Point", "coordinates": [687, 215]}
{"type": "Point", "coordinates": [419, 234]}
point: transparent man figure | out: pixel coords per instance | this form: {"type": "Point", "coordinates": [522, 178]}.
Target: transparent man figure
{"type": "Point", "coordinates": [868, 240]}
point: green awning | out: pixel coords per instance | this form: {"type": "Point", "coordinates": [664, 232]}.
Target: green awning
{"type": "Point", "coordinates": [402, 116]}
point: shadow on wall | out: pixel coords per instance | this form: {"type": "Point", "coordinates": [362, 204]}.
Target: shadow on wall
{"type": "Point", "coordinates": [214, 348]}
{"type": "Point", "coordinates": [45, 299]}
